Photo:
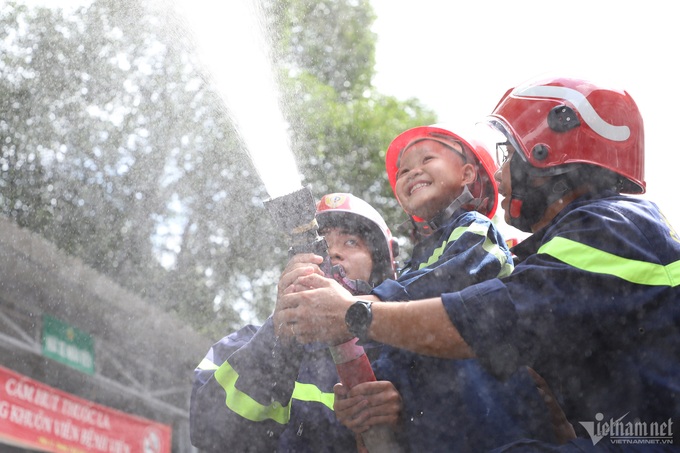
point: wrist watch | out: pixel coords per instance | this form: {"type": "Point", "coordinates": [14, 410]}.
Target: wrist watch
{"type": "Point", "coordinates": [358, 319]}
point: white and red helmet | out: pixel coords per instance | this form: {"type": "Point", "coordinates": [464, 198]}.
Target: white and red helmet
{"type": "Point", "coordinates": [484, 189]}
{"type": "Point", "coordinates": [353, 213]}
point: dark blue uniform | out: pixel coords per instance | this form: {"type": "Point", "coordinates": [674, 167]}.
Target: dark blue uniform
{"type": "Point", "coordinates": [457, 405]}
{"type": "Point", "coordinates": [252, 394]}
{"type": "Point", "coordinates": [594, 307]}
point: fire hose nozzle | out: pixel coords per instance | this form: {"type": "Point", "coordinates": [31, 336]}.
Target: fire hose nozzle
{"type": "Point", "coordinates": [294, 213]}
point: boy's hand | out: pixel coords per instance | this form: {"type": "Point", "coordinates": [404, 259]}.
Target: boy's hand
{"type": "Point", "coordinates": [564, 431]}
{"type": "Point", "coordinates": [368, 404]}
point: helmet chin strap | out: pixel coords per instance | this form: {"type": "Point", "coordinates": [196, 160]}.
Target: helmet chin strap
{"type": "Point", "coordinates": [528, 203]}
{"type": "Point", "coordinates": [425, 227]}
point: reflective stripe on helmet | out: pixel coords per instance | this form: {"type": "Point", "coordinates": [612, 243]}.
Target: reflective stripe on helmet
{"type": "Point", "coordinates": [248, 408]}
{"type": "Point", "coordinates": [590, 259]}
{"type": "Point", "coordinates": [585, 108]}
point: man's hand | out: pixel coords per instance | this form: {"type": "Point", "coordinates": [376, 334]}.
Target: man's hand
{"type": "Point", "coordinates": [314, 307]}
{"type": "Point", "coordinates": [368, 404]}
{"type": "Point", "coordinates": [298, 266]}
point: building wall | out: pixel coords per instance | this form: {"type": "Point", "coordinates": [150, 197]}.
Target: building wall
{"type": "Point", "coordinates": [144, 357]}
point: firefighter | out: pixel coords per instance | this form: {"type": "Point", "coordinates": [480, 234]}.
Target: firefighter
{"type": "Point", "coordinates": [593, 304]}
{"type": "Point", "coordinates": [445, 182]}
{"type": "Point", "coordinates": [254, 392]}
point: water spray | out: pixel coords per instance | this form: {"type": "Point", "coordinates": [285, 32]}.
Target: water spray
{"type": "Point", "coordinates": [247, 63]}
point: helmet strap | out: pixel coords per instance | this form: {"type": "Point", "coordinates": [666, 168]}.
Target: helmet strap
{"type": "Point", "coordinates": [426, 228]}
{"type": "Point", "coordinates": [528, 203]}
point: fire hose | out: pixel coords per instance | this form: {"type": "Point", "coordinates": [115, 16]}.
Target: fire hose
{"type": "Point", "coordinates": [295, 214]}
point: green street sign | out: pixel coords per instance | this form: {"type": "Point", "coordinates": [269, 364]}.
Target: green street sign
{"type": "Point", "coordinates": [67, 345]}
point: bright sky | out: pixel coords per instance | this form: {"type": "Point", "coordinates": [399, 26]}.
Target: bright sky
{"type": "Point", "coordinates": [459, 58]}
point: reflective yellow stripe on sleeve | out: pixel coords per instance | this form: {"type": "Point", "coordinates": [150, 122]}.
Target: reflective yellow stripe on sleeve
{"type": "Point", "coordinates": [488, 246]}
{"type": "Point", "coordinates": [312, 393]}
{"type": "Point", "coordinates": [243, 404]}
{"type": "Point", "coordinates": [250, 409]}
{"type": "Point", "coordinates": [207, 365]}
{"type": "Point", "coordinates": [590, 259]}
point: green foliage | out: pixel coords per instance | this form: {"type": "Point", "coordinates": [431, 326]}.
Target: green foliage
{"type": "Point", "coordinates": [341, 146]}
{"type": "Point", "coordinates": [115, 147]}
{"type": "Point", "coordinates": [329, 39]}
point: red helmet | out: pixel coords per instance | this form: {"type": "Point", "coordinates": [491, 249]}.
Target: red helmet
{"type": "Point", "coordinates": [484, 189]}
{"type": "Point", "coordinates": [354, 213]}
{"type": "Point", "coordinates": [558, 121]}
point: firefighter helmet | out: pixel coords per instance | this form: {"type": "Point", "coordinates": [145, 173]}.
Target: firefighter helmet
{"type": "Point", "coordinates": [571, 131]}
{"type": "Point", "coordinates": [559, 121]}
{"type": "Point", "coordinates": [484, 189]}
{"type": "Point", "coordinates": [344, 209]}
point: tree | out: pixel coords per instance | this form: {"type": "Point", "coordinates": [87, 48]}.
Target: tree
{"type": "Point", "coordinates": [116, 147]}
{"type": "Point", "coordinates": [329, 39]}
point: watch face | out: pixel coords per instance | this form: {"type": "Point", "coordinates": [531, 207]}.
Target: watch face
{"type": "Point", "coordinates": [358, 318]}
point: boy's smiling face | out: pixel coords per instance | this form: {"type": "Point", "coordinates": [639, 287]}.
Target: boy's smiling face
{"type": "Point", "coordinates": [431, 176]}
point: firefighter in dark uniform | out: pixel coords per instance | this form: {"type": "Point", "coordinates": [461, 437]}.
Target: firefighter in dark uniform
{"type": "Point", "coordinates": [253, 392]}
{"type": "Point", "coordinates": [593, 304]}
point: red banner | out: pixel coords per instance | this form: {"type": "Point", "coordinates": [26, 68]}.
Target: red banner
{"type": "Point", "coordinates": [34, 415]}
